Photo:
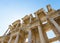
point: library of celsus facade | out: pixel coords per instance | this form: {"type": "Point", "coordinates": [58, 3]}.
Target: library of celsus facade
{"type": "Point", "coordinates": [33, 29]}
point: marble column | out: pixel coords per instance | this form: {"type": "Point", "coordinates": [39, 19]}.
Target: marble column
{"type": "Point", "coordinates": [4, 36]}
{"type": "Point", "coordinates": [10, 39]}
{"type": "Point", "coordinates": [55, 24]}
{"type": "Point", "coordinates": [42, 40]}
{"type": "Point", "coordinates": [17, 38]}
{"type": "Point", "coordinates": [24, 40]}
{"type": "Point", "coordinates": [29, 36]}
{"type": "Point", "coordinates": [2, 41]}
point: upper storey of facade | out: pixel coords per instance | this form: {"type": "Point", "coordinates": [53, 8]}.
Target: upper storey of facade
{"type": "Point", "coordinates": [40, 14]}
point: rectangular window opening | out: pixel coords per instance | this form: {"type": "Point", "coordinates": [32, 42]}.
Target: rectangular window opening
{"type": "Point", "coordinates": [50, 34]}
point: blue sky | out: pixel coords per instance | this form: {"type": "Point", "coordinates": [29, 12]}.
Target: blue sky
{"type": "Point", "coordinates": [11, 10]}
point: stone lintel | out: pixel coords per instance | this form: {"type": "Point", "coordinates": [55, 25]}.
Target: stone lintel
{"type": "Point", "coordinates": [16, 22]}
{"type": "Point", "coordinates": [26, 17]}
{"type": "Point", "coordinates": [11, 27]}
{"type": "Point", "coordinates": [39, 11]}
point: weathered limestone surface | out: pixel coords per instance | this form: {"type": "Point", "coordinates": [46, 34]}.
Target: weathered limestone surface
{"type": "Point", "coordinates": [34, 28]}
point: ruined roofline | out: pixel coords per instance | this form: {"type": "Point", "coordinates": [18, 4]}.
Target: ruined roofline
{"type": "Point", "coordinates": [28, 16]}
{"type": "Point", "coordinates": [38, 11]}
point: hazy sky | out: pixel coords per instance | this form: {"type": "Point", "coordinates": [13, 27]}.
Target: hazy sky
{"type": "Point", "coordinates": [11, 10]}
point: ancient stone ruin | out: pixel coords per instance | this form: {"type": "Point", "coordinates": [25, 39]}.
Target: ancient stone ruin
{"type": "Point", "coordinates": [33, 29]}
